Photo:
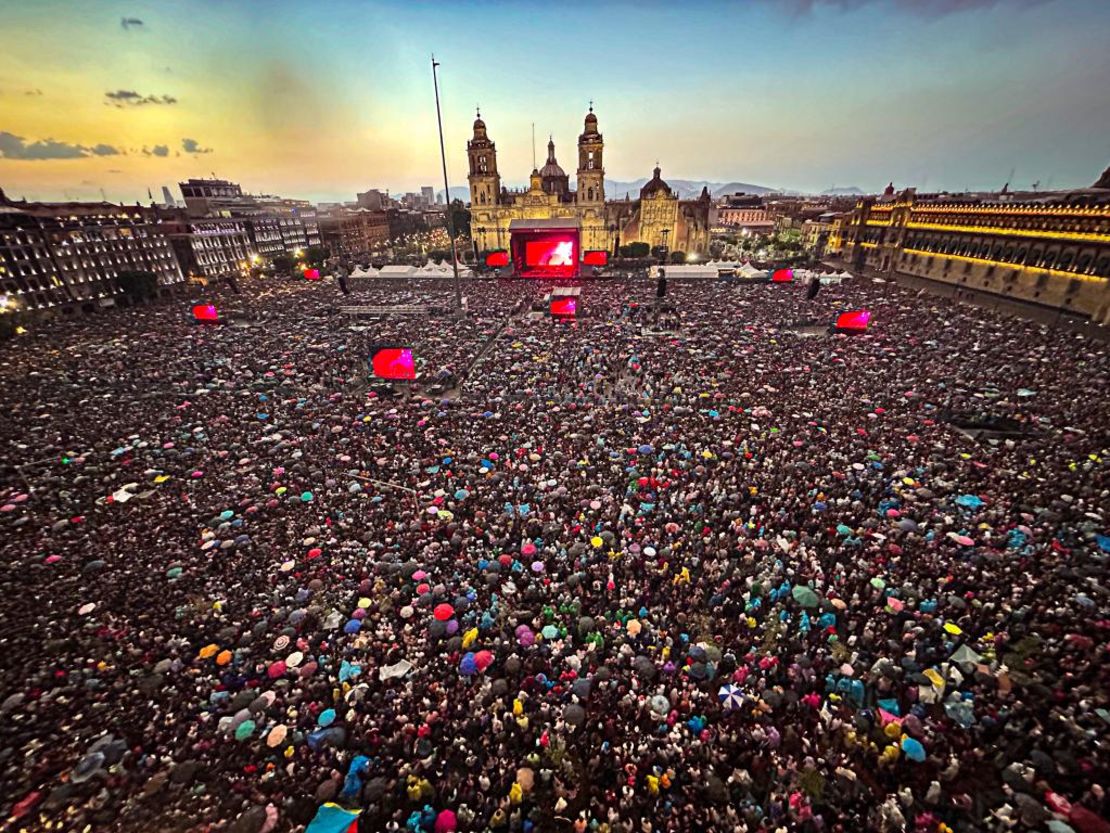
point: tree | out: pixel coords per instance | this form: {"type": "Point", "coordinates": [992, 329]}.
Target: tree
{"type": "Point", "coordinates": [678, 257]}
{"type": "Point", "coordinates": [637, 249]}
{"type": "Point", "coordinates": [460, 217]}
{"type": "Point", "coordinates": [315, 256]}
{"type": "Point", "coordinates": [282, 264]}
{"type": "Point", "coordinates": [137, 285]}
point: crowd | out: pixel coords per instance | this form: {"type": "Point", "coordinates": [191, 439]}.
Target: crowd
{"type": "Point", "coordinates": [701, 570]}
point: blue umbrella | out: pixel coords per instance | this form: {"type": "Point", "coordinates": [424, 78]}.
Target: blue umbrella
{"type": "Point", "coordinates": [645, 449]}
{"type": "Point", "coordinates": [969, 501]}
{"type": "Point", "coordinates": [327, 717]}
{"type": "Point", "coordinates": [730, 696]}
{"type": "Point", "coordinates": [353, 626]}
{"type": "Point", "coordinates": [913, 749]}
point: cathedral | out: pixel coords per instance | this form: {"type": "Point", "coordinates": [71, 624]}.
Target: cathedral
{"type": "Point", "coordinates": [658, 217]}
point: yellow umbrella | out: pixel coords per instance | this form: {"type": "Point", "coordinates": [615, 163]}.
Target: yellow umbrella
{"type": "Point", "coordinates": [223, 657]}
{"type": "Point", "coordinates": [955, 630]}
{"type": "Point", "coordinates": [597, 542]}
{"type": "Point", "coordinates": [209, 650]}
{"type": "Point", "coordinates": [469, 637]}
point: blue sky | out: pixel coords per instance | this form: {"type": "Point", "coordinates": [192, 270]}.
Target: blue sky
{"type": "Point", "coordinates": [326, 98]}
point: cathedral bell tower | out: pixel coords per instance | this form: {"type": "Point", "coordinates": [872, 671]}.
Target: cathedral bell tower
{"type": "Point", "coordinates": [591, 171]}
{"type": "Point", "coordinates": [485, 182]}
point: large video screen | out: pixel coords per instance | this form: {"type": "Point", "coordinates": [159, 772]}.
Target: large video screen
{"type": "Point", "coordinates": [782, 276]}
{"type": "Point", "coordinates": [545, 254]}
{"type": "Point", "coordinates": [597, 257]}
{"type": "Point", "coordinates": [393, 363]}
{"type": "Point", "coordinates": [564, 307]}
{"type": "Point", "coordinates": [206, 313]}
{"type": "Point", "coordinates": [855, 321]}
{"type": "Point", "coordinates": [498, 258]}
{"type": "Point", "coordinates": [550, 252]}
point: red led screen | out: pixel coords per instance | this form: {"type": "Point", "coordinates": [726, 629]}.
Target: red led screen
{"type": "Point", "coordinates": [564, 307]}
{"type": "Point", "coordinates": [500, 258]}
{"type": "Point", "coordinates": [596, 258]}
{"type": "Point", "coordinates": [555, 252]}
{"type": "Point", "coordinates": [782, 276]}
{"type": "Point", "coordinates": [205, 312]}
{"type": "Point", "coordinates": [545, 254]}
{"type": "Point", "coordinates": [393, 363]}
{"type": "Point", "coordinates": [854, 321]}
{"type": "Point", "coordinates": [312, 274]}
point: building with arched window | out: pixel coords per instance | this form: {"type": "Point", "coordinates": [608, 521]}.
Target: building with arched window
{"type": "Point", "coordinates": [1048, 249]}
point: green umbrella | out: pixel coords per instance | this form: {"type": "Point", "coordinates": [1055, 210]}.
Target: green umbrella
{"type": "Point", "coordinates": [245, 730]}
{"type": "Point", "coordinates": [804, 596]}
{"type": "Point", "coordinates": [878, 583]}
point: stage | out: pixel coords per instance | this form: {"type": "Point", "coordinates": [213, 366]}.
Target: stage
{"type": "Point", "coordinates": [547, 248]}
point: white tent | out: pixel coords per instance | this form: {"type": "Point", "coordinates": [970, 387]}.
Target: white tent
{"type": "Point", "coordinates": [746, 270]}
{"type": "Point", "coordinates": [397, 271]}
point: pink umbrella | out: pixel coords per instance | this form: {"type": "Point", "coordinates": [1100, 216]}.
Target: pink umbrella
{"type": "Point", "coordinates": [276, 669]}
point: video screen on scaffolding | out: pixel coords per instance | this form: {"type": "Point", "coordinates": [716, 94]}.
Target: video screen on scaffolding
{"type": "Point", "coordinates": [545, 254]}
{"type": "Point", "coordinates": [392, 363]}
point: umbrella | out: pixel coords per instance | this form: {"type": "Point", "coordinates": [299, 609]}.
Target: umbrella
{"type": "Point", "coordinates": [913, 749]}
{"type": "Point", "coordinates": [326, 718]}
{"type": "Point", "coordinates": [574, 714]}
{"type": "Point", "coordinates": [550, 631]}
{"type": "Point", "coordinates": [244, 730]}
{"type": "Point", "coordinates": [276, 669]}
{"type": "Point", "coordinates": [804, 596]}
{"type": "Point", "coordinates": [276, 735]}
{"type": "Point", "coordinates": [659, 704]}
{"type": "Point", "coordinates": [730, 697]}
{"type": "Point", "coordinates": [443, 612]}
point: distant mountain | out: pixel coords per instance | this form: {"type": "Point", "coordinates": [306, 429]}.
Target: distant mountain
{"type": "Point", "coordinates": [847, 191]}
{"type": "Point", "coordinates": [687, 189]}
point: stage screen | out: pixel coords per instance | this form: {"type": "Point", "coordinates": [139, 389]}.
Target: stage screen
{"type": "Point", "coordinates": [855, 321]}
{"type": "Point", "coordinates": [783, 276]}
{"type": "Point", "coordinates": [500, 258]}
{"type": "Point", "coordinates": [393, 363]}
{"type": "Point", "coordinates": [549, 253]}
{"type": "Point", "coordinates": [545, 254]}
{"type": "Point", "coordinates": [564, 307]}
{"type": "Point", "coordinates": [206, 313]}
{"type": "Point", "coordinates": [312, 274]}
{"type": "Point", "coordinates": [596, 258]}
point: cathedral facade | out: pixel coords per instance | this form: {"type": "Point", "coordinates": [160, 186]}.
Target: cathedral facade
{"type": "Point", "coordinates": [658, 217]}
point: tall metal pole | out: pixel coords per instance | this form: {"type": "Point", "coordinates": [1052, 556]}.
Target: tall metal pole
{"type": "Point", "coordinates": [447, 194]}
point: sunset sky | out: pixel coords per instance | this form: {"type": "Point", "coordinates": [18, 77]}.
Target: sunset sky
{"type": "Point", "coordinates": [322, 99]}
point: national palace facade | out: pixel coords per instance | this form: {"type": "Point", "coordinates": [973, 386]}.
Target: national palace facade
{"type": "Point", "coordinates": [658, 217]}
{"type": "Point", "coordinates": [1047, 249]}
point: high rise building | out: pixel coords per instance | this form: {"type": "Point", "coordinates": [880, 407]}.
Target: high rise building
{"type": "Point", "coordinates": [373, 199]}
{"type": "Point", "coordinates": [427, 195]}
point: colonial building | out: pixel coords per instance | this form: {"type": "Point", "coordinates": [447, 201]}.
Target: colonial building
{"type": "Point", "coordinates": [1047, 249]}
{"type": "Point", "coordinates": [351, 232]}
{"type": "Point", "coordinates": [69, 255]}
{"type": "Point", "coordinates": [658, 217]}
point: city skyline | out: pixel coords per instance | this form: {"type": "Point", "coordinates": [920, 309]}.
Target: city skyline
{"type": "Point", "coordinates": [325, 101]}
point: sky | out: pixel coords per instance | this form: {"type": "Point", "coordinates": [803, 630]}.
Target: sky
{"type": "Point", "coordinates": [319, 100]}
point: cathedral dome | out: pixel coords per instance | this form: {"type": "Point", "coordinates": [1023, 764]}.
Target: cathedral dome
{"type": "Point", "coordinates": [656, 183]}
{"type": "Point", "coordinates": [551, 169]}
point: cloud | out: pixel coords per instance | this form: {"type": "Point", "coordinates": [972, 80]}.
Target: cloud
{"type": "Point", "coordinates": [16, 147]}
{"type": "Point", "coordinates": [130, 98]}
{"type": "Point", "coordinates": [193, 146]}
{"type": "Point", "coordinates": [157, 150]}
{"type": "Point", "coordinates": [129, 22]}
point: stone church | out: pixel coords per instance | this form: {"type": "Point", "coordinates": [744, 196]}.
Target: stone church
{"type": "Point", "coordinates": [658, 217]}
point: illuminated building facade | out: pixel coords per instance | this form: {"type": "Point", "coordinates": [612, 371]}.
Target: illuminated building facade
{"type": "Point", "coordinates": [68, 255]}
{"type": "Point", "coordinates": [1052, 250]}
{"type": "Point", "coordinates": [658, 217]}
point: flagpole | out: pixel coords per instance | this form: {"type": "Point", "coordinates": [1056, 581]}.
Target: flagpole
{"type": "Point", "coordinates": [447, 194]}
